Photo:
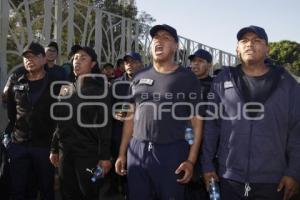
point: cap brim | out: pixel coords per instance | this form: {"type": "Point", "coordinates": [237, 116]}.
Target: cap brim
{"type": "Point", "coordinates": [126, 56]}
{"type": "Point", "coordinates": [30, 51]}
{"type": "Point", "coordinates": [191, 57]}
{"type": "Point", "coordinates": [138, 58]}
{"type": "Point", "coordinates": [157, 28]}
{"type": "Point", "coordinates": [245, 30]}
{"type": "Point", "coordinates": [170, 30]}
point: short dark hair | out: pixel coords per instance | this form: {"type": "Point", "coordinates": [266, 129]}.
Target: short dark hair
{"type": "Point", "coordinates": [89, 50]}
{"type": "Point", "coordinates": [74, 49]}
{"type": "Point", "coordinates": [107, 65]}
{"type": "Point", "coordinates": [120, 61]}
{"type": "Point", "coordinates": [54, 45]}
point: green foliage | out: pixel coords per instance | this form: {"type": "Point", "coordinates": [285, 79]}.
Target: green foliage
{"type": "Point", "coordinates": [17, 23]}
{"type": "Point", "coordinates": [129, 11]}
{"type": "Point", "coordinates": [286, 53]}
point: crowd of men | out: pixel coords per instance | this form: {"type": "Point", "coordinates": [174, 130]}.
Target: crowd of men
{"type": "Point", "coordinates": [129, 122]}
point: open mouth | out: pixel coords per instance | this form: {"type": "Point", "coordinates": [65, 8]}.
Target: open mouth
{"type": "Point", "coordinates": [76, 67]}
{"type": "Point", "coordinates": [249, 51]}
{"type": "Point", "coordinates": [30, 65]}
{"type": "Point", "coordinates": [159, 49]}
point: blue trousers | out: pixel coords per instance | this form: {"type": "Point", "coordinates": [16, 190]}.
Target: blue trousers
{"type": "Point", "coordinates": [30, 171]}
{"type": "Point", "coordinates": [151, 170]}
{"type": "Point", "coordinates": [233, 190]}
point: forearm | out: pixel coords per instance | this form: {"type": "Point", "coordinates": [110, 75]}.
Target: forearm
{"type": "Point", "coordinates": [54, 147]}
{"type": "Point", "coordinates": [197, 125]}
{"type": "Point", "coordinates": [127, 133]}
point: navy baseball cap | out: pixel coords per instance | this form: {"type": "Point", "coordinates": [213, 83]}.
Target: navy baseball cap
{"type": "Point", "coordinates": [260, 32]}
{"type": "Point", "coordinates": [34, 48]}
{"type": "Point", "coordinates": [201, 53]}
{"type": "Point", "coordinates": [133, 55]}
{"type": "Point", "coordinates": [164, 27]}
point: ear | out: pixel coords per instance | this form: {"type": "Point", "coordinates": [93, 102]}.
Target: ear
{"type": "Point", "coordinates": [209, 65]}
{"type": "Point", "coordinates": [237, 49]}
{"type": "Point", "coordinates": [176, 48]}
{"type": "Point", "coordinates": [238, 53]}
{"type": "Point", "coordinates": [44, 60]}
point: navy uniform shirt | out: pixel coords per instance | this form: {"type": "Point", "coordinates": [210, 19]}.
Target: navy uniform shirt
{"type": "Point", "coordinates": [163, 104]}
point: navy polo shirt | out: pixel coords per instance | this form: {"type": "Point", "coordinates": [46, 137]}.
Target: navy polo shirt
{"type": "Point", "coordinates": [164, 103]}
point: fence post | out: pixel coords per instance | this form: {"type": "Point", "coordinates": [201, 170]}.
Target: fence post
{"type": "Point", "coordinates": [58, 27]}
{"type": "Point", "coordinates": [4, 16]}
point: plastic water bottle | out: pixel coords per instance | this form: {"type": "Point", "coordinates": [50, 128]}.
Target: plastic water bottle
{"type": "Point", "coordinates": [6, 140]}
{"type": "Point", "coordinates": [214, 190]}
{"type": "Point", "coordinates": [97, 173]}
{"type": "Point", "coordinates": [189, 135]}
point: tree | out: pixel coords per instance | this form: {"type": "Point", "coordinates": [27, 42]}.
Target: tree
{"type": "Point", "coordinates": [17, 23]}
{"type": "Point", "coordinates": [286, 53]}
{"type": "Point", "coordinates": [145, 18]}
{"type": "Point", "coordinates": [129, 11]}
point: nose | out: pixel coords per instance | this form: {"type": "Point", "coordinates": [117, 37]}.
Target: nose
{"type": "Point", "coordinates": [250, 43]}
{"type": "Point", "coordinates": [29, 61]}
{"type": "Point", "coordinates": [29, 58]}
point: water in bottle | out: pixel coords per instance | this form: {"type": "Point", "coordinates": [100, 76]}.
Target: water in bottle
{"type": "Point", "coordinates": [6, 140]}
{"type": "Point", "coordinates": [189, 135]}
{"type": "Point", "coordinates": [214, 190]}
{"type": "Point", "coordinates": [97, 173]}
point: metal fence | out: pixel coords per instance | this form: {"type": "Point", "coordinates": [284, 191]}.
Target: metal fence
{"type": "Point", "coordinates": [68, 22]}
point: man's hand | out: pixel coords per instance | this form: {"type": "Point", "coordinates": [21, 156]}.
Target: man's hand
{"type": "Point", "coordinates": [120, 165]}
{"type": "Point", "coordinates": [290, 186]}
{"type": "Point", "coordinates": [120, 116]}
{"type": "Point", "coordinates": [207, 176]}
{"type": "Point", "coordinates": [54, 159]}
{"type": "Point", "coordinates": [187, 167]}
{"type": "Point", "coordinates": [105, 165]}
{"type": "Point", "coordinates": [5, 139]}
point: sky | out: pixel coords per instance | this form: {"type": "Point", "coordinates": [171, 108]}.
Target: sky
{"type": "Point", "coordinates": [216, 22]}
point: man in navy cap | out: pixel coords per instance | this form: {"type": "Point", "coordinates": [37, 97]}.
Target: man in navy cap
{"type": "Point", "coordinates": [255, 135]}
{"type": "Point", "coordinates": [201, 62]}
{"type": "Point", "coordinates": [132, 63]}
{"type": "Point", "coordinates": [30, 127]}
{"type": "Point", "coordinates": [159, 160]}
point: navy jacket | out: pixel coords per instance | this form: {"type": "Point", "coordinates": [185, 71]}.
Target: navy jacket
{"type": "Point", "coordinates": [91, 137]}
{"type": "Point", "coordinates": [254, 151]}
{"type": "Point", "coordinates": [29, 122]}
{"type": "Point", "coordinates": [121, 89]}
